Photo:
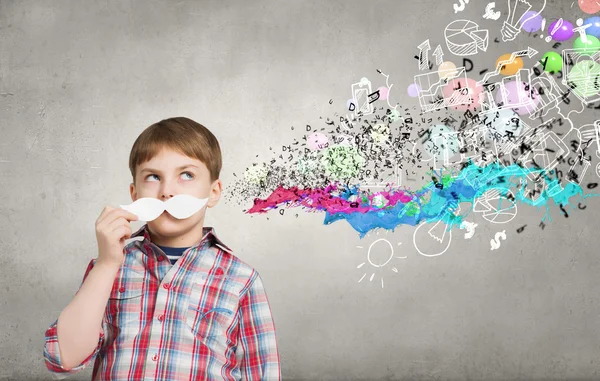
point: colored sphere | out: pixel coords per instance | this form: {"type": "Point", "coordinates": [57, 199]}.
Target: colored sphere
{"type": "Point", "coordinates": [383, 93]}
{"type": "Point", "coordinates": [504, 124]}
{"type": "Point", "coordinates": [532, 21]}
{"type": "Point", "coordinates": [552, 62]}
{"type": "Point", "coordinates": [442, 143]}
{"type": "Point", "coordinates": [589, 6]}
{"type": "Point", "coordinates": [463, 95]}
{"type": "Point", "coordinates": [520, 97]}
{"type": "Point", "coordinates": [511, 68]}
{"type": "Point", "coordinates": [414, 90]}
{"type": "Point", "coordinates": [350, 104]}
{"type": "Point", "coordinates": [317, 141]}
{"type": "Point", "coordinates": [590, 46]}
{"type": "Point", "coordinates": [563, 32]}
{"type": "Point", "coordinates": [447, 69]}
{"type": "Point", "coordinates": [594, 29]}
{"type": "Point", "coordinates": [584, 78]}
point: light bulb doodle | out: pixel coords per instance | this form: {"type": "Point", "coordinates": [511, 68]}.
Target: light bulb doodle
{"type": "Point", "coordinates": [517, 10]}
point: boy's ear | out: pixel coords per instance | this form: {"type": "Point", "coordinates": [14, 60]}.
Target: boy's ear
{"type": "Point", "coordinates": [215, 193]}
{"type": "Point", "coordinates": [132, 192]}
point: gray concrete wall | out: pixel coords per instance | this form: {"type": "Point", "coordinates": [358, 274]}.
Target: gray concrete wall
{"type": "Point", "coordinates": [79, 80]}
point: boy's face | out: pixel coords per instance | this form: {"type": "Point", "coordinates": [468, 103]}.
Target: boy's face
{"type": "Point", "coordinates": [160, 178]}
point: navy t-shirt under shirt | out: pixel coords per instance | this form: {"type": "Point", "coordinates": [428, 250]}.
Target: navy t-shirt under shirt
{"type": "Point", "coordinates": [173, 253]}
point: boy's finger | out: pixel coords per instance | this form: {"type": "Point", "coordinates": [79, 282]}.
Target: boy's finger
{"type": "Point", "coordinates": [117, 213]}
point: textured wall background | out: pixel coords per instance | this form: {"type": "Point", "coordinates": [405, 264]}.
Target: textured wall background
{"type": "Point", "coordinates": [79, 80]}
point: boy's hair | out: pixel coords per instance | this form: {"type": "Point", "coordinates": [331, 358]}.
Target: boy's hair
{"type": "Point", "coordinates": [180, 134]}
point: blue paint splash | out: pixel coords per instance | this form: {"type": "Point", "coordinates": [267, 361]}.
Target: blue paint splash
{"type": "Point", "coordinates": [434, 202]}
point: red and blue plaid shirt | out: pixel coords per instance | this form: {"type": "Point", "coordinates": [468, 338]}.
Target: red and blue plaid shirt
{"type": "Point", "coordinates": [206, 317]}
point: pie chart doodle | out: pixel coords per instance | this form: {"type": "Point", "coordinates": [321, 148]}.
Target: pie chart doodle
{"type": "Point", "coordinates": [464, 38]}
{"type": "Point", "coordinates": [495, 207]}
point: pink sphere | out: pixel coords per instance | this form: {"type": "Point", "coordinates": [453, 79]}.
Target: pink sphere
{"type": "Point", "coordinates": [589, 6]}
{"type": "Point", "coordinates": [520, 97]}
{"type": "Point", "coordinates": [383, 93]}
{"type": "Point", "coordinates": [317, 141]}
{"type": "Point", "coordinates": [465, 93]}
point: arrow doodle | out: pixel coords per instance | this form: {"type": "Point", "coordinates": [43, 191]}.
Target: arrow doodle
{"type": "Point", "coordinates": [529, 52]}
{"type": "Point", "coordinates": [424, 49]}
{"type": "Point", "coordinates": [438, 53]}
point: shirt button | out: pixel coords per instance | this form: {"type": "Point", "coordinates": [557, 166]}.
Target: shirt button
{"type": "Point", "coordinates": [160, 317]}
{"type": "Point", "coordinates": [166, 285]}
{"type": "Point", "coordinates": [160, 259]}
{"type": "Point", "coordinates": [155, 357]}
{"type": "Point", "coordinates": [122, 289]}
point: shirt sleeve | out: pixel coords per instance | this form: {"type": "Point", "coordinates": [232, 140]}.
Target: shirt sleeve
{"type": "Point", "coordinates": [52, 352]}
{"type": "Point", "coordinates": [256, 353]}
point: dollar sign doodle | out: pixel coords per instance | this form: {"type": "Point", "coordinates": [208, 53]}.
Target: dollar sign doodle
{"type": "Point", "coordinates": [461, 7]}
{"type": "Point", "coordinates": [495, 242]}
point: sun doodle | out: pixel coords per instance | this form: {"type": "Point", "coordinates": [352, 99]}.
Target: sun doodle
{"type": "Point", "coordinates": [379, 255]}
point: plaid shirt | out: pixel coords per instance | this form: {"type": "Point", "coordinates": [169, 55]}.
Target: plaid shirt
{"type": "Point", "coordinates": [206, 317]}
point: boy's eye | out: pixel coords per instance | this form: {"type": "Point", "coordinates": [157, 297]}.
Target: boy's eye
{"type": "Point", "coordinates": [189, 173]}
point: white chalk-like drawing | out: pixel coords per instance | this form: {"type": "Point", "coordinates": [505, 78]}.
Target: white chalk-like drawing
{"type": "Point", "coordinates": [443, 145]}
{"type": "Point", "coordinates": [394, 180]}
{"type": "Point", "coordinates": [548, 92]}
{"type": "Point", "coordinates": [432, 241]}
{"type": "Point", "coordinates": [473, 146]}
{"type": "Point", "coordinates": [460, 6]}
{"type": "Point", "coordinates": [547, 150]}
{"type": "Point", "coordinates": [360, 93]}
{"type": "Point", "coordinates": [464, 38]}
{"type": "Point", "coordinates": [575, 177]}
{"type": "Point", "coordinates": [470, 227]}
{"type": "Point", "coordinates": [424, 49]}
{"type": "Point", "coordinates": [555, 29]}
{"type": "Point", "coordinates": [489, 12]}
{"type": "Point", "coordinates": [497, 205]}
{"type": "Point", "coordinates": [381, 262]}
{"type": "Point", "coordinates": [520, 98]}
{"type": "Point", "coordinates": [495, 242]}
{"type": "Point", "coordinates": [581, 30]}
{"type": "Point", "coordinates": [431, 96]}
{"type": "Point", "coordinates": [392, 108]}
{"type": "Point", "coordinates": [529, 52]}
{"type": "Point", "coordinates": [597, 130]}
{"type": "Point", "coordinates": [583, 77]}
{"type": "Point", "coordinates": [438, 53]}
{"type": "Point", "coordinates": [437, 242]}
{"type": "Point", "coordinates": [519, 12]}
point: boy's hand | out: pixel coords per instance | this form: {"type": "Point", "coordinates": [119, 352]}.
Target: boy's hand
{"type": "Point", "coordinates": [112, 229]}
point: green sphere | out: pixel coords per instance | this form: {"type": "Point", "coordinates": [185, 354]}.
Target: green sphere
{"type": "Point", "coordinates": [552, 62]}
{"type": "Point", "coordinates": [591, 46]}
{"type": "Point", "coordinates": [584, 78]}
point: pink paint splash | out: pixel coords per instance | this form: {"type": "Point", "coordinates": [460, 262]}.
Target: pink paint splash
{"type": "Point", "coordinates": [324, 199]}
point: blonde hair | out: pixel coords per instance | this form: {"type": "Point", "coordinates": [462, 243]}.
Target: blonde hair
{"type": "Point", "coordinates": [182, 135]}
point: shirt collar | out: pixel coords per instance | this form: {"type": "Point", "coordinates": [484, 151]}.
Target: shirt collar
{"type": "Point", "coordinates": [208, 235]}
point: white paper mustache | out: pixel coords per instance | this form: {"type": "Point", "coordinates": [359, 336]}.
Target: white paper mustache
{"type": "Point", "coordinates": [180, 206]}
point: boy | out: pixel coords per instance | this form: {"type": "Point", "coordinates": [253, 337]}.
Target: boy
{"type": "Point", "coordinates": [177, 304]}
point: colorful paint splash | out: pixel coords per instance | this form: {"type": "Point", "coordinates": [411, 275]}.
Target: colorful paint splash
{"type": "Point", "coordinates": [434, 202]}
